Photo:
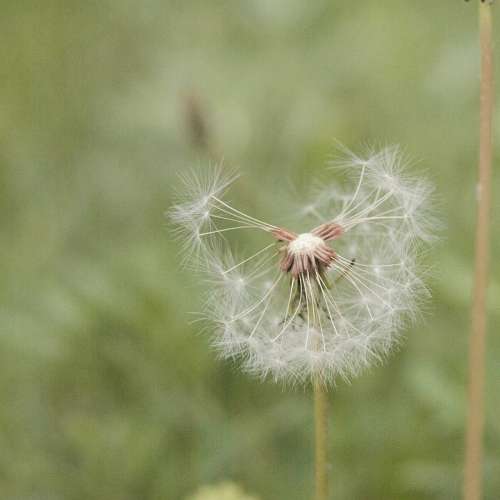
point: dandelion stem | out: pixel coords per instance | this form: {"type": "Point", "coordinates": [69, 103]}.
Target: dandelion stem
{"type": "Point", "coordinates": [321, 439]}
{"type": "Point", "coordinates": [474, 446]}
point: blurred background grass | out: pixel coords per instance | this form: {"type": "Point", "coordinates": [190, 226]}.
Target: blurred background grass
{"type": "Point", "coordinates": [106, 390]}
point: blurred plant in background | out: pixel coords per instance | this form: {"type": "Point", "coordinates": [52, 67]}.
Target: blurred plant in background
{"type": "Point", "coordinates": [106, 393]}
{"type": "Point", "coordinates": [223, 491]}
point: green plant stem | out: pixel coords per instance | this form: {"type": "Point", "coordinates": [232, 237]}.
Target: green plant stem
{"type": "Point", "coordinates": [475, 422]}
{"type": "Point", "coordinates": [321, 439]}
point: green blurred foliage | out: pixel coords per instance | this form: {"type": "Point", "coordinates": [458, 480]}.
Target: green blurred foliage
{"type": "Point", "coordinates": [106, 390]}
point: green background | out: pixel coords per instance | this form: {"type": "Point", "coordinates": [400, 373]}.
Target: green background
{"type": "Point", "coordinates": [106, 390]}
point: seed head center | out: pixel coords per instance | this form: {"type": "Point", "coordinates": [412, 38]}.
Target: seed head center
{"type": "Point", "coordinates": [305, 244]}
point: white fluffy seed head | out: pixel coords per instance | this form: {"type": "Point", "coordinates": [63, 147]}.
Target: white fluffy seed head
{"type": "Point", "coordinates": [306, 306]}
{"type": "Point", "coordinates": [305, 244]}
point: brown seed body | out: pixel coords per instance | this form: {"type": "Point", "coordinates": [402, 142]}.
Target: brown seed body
{"type": "Point", "coordinates": [307, 252]}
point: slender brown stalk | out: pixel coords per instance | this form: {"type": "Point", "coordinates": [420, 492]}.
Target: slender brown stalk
{"type": "Point", "coordinates": [475, 423]}
{"type": "Point", "coordinates": [321, 439]}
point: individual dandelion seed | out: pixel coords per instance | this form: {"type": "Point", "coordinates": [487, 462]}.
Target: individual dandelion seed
{"type": "Point", "coordinates": [322, 303]}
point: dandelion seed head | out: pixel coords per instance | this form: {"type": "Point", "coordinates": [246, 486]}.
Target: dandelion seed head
{"type": "Point", "coordinates": [325, 303]}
